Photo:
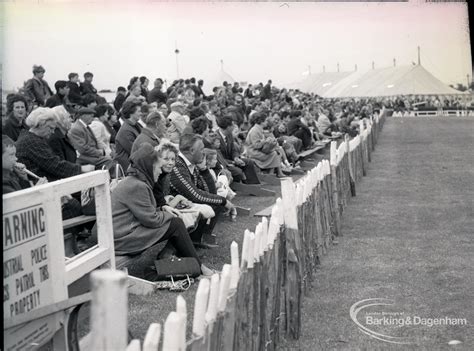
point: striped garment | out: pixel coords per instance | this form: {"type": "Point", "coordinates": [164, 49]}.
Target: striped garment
{"type": "Point", "coordinates": [192, 186]}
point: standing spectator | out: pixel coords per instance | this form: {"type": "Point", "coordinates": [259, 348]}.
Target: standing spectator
{"type": "Point", "coordinates": [74, 89]}
{"type": "Point", "coordinates": [144, 82]}
{"type": "Point", "coordinates": [120, 98]}
{"type": "Point", "coordinates": [17, 107]}
{"type": "Point", "coordinates": [199, 90]}
{"type": "Point", "coordinates": [37, 89]}
{"type": "Point", "coordinates": [86, 86]}
{"type": "Point", "coordinates": [156, 94]}
{"type": "Point", "coordinates": [127, 133]}
{"type": "Point", "coordinates": [61, 96]}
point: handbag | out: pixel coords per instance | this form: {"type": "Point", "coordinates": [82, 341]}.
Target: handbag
{"type": "Point", "coordinates": [269, 146]}
{"type": "Point", "coordinates": [88, 198]}
{"type": "Point", "coordinates": [177, 268]}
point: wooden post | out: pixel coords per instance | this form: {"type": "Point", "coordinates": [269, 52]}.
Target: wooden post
{"type": "Point", "coordinates": [293, 275]}
{"type": "Point", "coordinates": [245, 246]}
{"type": "Point", "coordinates": [134, 345]}
{"type": "Point", "coordinates": [200, 306]}
{"type": "Point", "coordinates": [152, 337]}
{"type": "Point", "coordinates": [172, 329]}
{"type": "Point", "coordinates": [181, 310]}
{"type": "Point", "coordinates": [235, 270]}
{"type": "Point", "coordinates": [335, 190]}
{"type": "Point", "coordinates": [224, 288]}
{"type": "Point", "coordinates": [109, 310]}
{"type": "Point", "coordinates": [213, 299]}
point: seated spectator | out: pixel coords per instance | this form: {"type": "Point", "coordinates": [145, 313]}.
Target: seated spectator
{"type": "Point", "coordinates": [153, 132]}
{"type": "Point", "coordinates": [296, 128]}
{"type": "Point", "coordinates": [242, 169]}
{"type": "Point", "coordinates": [198, 126]}
{"type": "Point", "coordinates": [222, 183]}
{"type": "Point", "coordinates": [136, 95]}
{"type": "Point", "coordinates": [187, 181]}
{"type": "Point", "coordinates": [109, 125]}
{"type": "Point", "coordinates": [155, 94]}
{"type": "Point", "coordinates": [14, 175]}
{"type": "Point", "coordinates": [84, 141]}
{"type": "Point", "coordinates": [74, 89]}
{"type": "Point", "coordinates": [61, 96]}
{"type": "Point", "coordinates": [34, 151]}
{"type": "Point", "coordinates": [89, 101]}
{"type": "Point", "coordinates": [138, 223]}
{"type": "Point", "coordinates": [177, 121]}
{"type": "Point", "coordinates": [59, 141]}
{"type": "Point", "coordinates": [17, 107]}
{"type": "Point", "coordinates": [127, 133]}
{"type": "Point", "coordinates": [99, 129]}
{"type": "Point", "coordinates": [324, 124]}
{"type": "Point", "coordinates": [37, 89]}
{"type": "Point", "coordinates": [120, 98]}
{"type": "Point", "coordinates": [262, 150]}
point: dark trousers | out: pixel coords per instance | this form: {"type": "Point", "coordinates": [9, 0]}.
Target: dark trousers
{"type": "Point", "coordinates": [246, 174]}
{"type": "Point", "coordinates": [204, 228]}
{"type": "Point", "coordinates": [304, 136]}
{"type": "Point", "coordinates": [179, 241]}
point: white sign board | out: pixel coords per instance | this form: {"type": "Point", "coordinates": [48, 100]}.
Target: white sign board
{"type": "Point", "coordinates": [27, 280]}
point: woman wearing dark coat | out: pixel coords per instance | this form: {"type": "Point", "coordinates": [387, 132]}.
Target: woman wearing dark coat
{"type": "Point", "coordinates": [127, 133]}
{"type": "Point", "coordinates": [138, 223]}
{"type": "Point", "coordinates": [17, 108]}
{"type": "Point", "coordinates": [58, 140]}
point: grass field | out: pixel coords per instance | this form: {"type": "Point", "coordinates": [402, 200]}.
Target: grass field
{"type": "Point", "coordinates": [408, 236]}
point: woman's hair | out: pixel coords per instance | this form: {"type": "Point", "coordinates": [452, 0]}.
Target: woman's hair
{"type": "Point", "coordinates": [100, 110]}
{"type": "Point", "coordinates": [110, 110]}
{"type": "Point", "coordinates": [39, 117]}
{"type": "Point", "coordinates": [61, 114]}
{"type": "Point", "coordinates": [258, 118]}
{"type": "Point", "coordinates": [153, 118]}
{"type": "Point", "coordinates": [6, 142]}
{"type": "Point", "coordinates": [129, 108]}
{"type": "Point", "coordinates": [225, 121]}
{"type": "Point", "coordinates": [15, 98]}
{"type": "Point", "coordinates": [88, 98]}
{"type": "Point", "coordinates": [165, 145]}
{"type": "Point", "coordinates": [208, 153]}
{"type": "Point", "coordinates": [142, 79]}
{"type": "Point", "coordinates": [199, 125]}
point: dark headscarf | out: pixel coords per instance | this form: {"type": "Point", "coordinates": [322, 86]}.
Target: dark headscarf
{"type": "Point", "coordinates": [141, 163]}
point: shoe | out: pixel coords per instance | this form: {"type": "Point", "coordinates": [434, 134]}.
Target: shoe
{"type": "Point", "coordinates": [210, 239]}
{"type": "Point", "coordinates": [201, 245]}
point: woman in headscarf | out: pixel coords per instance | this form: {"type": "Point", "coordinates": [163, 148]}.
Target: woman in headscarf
{"type": "Point", "coordinates": [138, 223]}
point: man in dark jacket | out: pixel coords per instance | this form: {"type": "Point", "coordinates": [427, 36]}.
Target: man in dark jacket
{"type": "Point", "coordinates": [74, 89]}
{"type": "Point", "coordinates": [120, 98]}
{"type": "Point", "coordinates": [37, 89]}
{"type": "Point", "coordinates": [242, 169]}
{"type": "Point", "coordinates": [156, 94]}
{"type": "Point", "coordinates": [267, 91]}
{"type": "Point", "coordinates": [86, 86]}
{"type": "Point", "coordinates": [61, 96]}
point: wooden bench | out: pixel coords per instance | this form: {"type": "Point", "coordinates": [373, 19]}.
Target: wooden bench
{"type": "Point", "coordinates": [266, 212]}
{"type": "Point", "coordinates": [70, 242]}
{"type": "Point", "coordinates": [251, 190]}
{"type": "Point", "coordinates": [310, 152]}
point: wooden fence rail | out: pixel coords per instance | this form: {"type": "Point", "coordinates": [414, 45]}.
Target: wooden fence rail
{"type": "Point", "coordinates": [257, 299]}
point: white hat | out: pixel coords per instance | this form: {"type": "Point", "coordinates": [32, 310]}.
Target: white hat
{"type": "Point", "coordinates": [38, 115]}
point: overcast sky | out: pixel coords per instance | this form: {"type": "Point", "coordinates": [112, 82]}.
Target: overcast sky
{"type": "Point", "coordinates": [119, 39]}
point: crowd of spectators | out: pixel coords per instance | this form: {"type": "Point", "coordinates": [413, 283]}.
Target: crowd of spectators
{"type": "Point", "coordinates": [180, 148]}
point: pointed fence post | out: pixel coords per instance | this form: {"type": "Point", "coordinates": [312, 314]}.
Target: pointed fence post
{"type": "Point", "coordinates": [109, 310]}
